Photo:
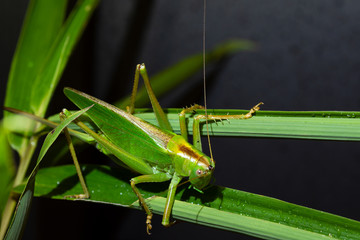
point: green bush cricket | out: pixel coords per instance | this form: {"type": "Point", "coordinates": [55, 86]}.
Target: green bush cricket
{"type": "Point", "coordinates": [155, 152]}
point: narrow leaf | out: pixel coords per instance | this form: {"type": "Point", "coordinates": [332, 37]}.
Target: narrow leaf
{"type": "Point", "coordinates": [321, 125]}
{"type": "Point", "coordinates": [36, 39]}
{"type": "Point", "coordinates": [58, 57]}
{"type": "Point", "coordinates": [22, 212]}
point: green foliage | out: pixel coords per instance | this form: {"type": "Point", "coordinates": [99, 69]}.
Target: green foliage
{"type": "Point", "coordinates": [218, 207]}
{"type": "Point", "coordinates": [36, 40]}
{"type": "Point", "coordinates": [7, 169]}
{"type": "Point", "coordinates": [321, 125]}
{"type": "Point", "coordinates": [22, 211]}
{"type": "Point", "coordinates": [45, 45]}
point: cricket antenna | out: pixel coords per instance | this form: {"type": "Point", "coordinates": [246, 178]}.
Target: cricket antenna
{"type": "Point", "coordinates": [204, 78]}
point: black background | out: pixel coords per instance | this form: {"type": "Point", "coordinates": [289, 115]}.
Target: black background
{"type": "Point", "coordinates": [307, 59]}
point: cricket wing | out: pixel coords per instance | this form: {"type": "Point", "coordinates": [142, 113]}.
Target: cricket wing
{"type": "Point", "coordinates": [126, 131]}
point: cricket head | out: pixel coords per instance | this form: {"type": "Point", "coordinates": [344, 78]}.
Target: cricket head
{"type": "Point", "coordinates": [189, 161]}
{"type": "Point", "coordinates": [201, 174]}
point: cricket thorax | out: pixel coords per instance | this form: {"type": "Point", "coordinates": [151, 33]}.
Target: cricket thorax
{"type": "Point", "coordinates": [186, 157]}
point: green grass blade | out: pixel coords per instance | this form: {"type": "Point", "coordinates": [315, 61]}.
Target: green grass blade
{"type": "Point", "coordinates": [218, 207]}
{"type": "Point", "coordinates": [17, 226]}
{"type": "Point", "coordinates": [35, 41]}
{"type": "Point", "coordinates": [41, 56]}
{"type": "Point", "coordinates": [321, 125]}
{"type": "Point", "coordinates": [42, 52]}
{"type": "Point", "coordinates": [40, 28]}
{"type": "Point", "coordinates": [22, 212]}
{"type": "Point", "coordinates": [184, 70]}
{"type": "Point", "coordinates": [58, 57]}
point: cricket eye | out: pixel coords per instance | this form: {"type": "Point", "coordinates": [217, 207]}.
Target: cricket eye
{"type": "Point", "coordinates": [199, 172]}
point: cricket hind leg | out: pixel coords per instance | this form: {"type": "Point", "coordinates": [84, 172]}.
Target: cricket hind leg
{"type": "Point", "coordinates": [159, 113]}
{"type": "Point", "coordinates": [86, 193]}
{"type": "Point", "coordinates": [199, 118]}
{"type": "Point", "coordinates": [158, 177]}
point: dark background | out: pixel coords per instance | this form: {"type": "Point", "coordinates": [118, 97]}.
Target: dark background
{"type": "Point", "coordinates": [308, 59]}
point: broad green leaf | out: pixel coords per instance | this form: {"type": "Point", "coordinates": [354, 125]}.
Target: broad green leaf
{"type": "Point", "coordinates": [17, 226]}
{"type": "Point", "coordinates": [218, 207]}
{"type": "Point", "coordinates": [184, 70]}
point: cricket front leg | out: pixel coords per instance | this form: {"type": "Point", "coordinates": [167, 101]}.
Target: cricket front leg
{"type": "Point", "coordinates": [159, 177]}
{"type": "Point", "coordinates": [198, 118]}
{"type": "Point", "coordinates": [170, 200]}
